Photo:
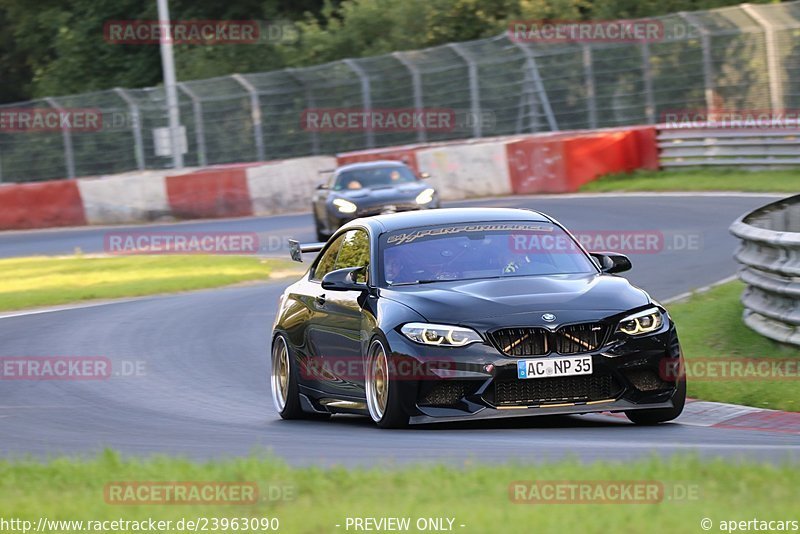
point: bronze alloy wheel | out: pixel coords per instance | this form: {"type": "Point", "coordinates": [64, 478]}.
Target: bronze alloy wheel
{"type": "Point", "coordinates": [377, 381]}
{"type": "Point", "coordinates": [280, 373]}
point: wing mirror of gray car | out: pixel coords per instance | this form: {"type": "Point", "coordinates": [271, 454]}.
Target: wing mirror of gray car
{"type": "Point", "coordinates": [424, 175]}
{"type": "Point", "coordinates": [323, 185]}
{"type": "Point", "coordinates": [612, 262]}
{"type": "Point", "coordinates": [344, 280]}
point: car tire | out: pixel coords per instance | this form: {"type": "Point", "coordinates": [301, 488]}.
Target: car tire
{"type": "Point", "coordinates": [661, 415]}
{"type": "Point", "coordinates": [321, 236]}
{"type": "Point", "coordinates": [283, 383]}
{"type": "Point", "coordinates": [383, 396]}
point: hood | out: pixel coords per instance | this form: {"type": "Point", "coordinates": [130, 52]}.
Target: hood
{"type": "Point", "coordinates": [382, 195]}
{"type": "Point", "coordinates": [521, 301]}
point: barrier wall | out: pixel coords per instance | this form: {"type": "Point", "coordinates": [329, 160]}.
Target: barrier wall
{"type": "Point", "coordinates": [463, 171]}
{"type": "Point", "coordinates": [215, 192]}
{"type": "Point", "coordinates": [134, 197]}
{"type": "Point", "coordinates": [286, 185]}
{"type": "Point", "coordinates": [542, 163]}
{"type": "Point", "coordinates": [41, 205]}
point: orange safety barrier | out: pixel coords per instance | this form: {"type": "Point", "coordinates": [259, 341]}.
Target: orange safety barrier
{"type": "Point", "coordinates": [563, 163]}
{"type": "Point", "coordinates": [41, 205]}
{"type": "Point", "coordinates": [209, 193]}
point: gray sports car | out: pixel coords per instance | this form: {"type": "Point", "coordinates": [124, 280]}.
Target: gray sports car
{"type": "Point", "coordinates": [365, 189]}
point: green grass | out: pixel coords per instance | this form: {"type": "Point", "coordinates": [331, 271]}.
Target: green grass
{"type": "Point", "coordinates": [724, 179]}
{"type": "Point", "coordinates": [710, 327]}
{"type": "Point", "coordinates": [46, 281]}
{"type": "Point", "coordinates": [476, 496]}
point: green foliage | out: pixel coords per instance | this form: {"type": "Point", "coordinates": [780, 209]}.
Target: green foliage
{"type": "Point", "coordinates": [52, 47]}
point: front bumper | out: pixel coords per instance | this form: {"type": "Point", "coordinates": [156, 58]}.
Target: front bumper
{"type": "Point", "coordinates": [337, 219]}
{"type": "Point", "coordinates": [479, 382]}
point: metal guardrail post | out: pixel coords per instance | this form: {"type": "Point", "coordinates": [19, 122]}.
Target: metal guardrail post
{"type": "Point", "coordinates": [366, 98]}
{"type": "Point", "coordinates": [136, 126]}
{"type": "Point", "coordinates": [416, 86]}
{"type": "Point", "coordinates": [770, 255]}
{"type": "Point", "coordinates": [474, 88]}
{"type": "Point", "coordinates": [310, 104]}
{"type": "Point", "coordinates": [591, 93]}
{"type": "Point", "coordinates": [199, 126]}
{"type": "Point", "coordinates": [708, 64]}
{"type": "Point", "coordinates": [647, 79]}
{"type": "Point", "coordinates": [255, 112]}
{"type": "Point", "coordinates": [533, 68]}
{"type": "Point", "coordinates": [773, 61]}
{"type": "Point", "coordinates": [66, 135]}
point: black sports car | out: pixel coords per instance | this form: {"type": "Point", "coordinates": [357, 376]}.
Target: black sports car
{"type": "Point", "coordinates": [469, 313]}
{"type": "Point", "coordinates": [364, 189]}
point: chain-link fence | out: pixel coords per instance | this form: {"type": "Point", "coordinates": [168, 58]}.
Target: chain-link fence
{"type": "Point", "coordinates": [744, 57]}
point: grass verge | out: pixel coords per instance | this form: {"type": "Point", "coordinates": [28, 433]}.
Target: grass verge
{"type": "Point", "coordinates": [47, 281]}
{"type": "Point", "coordinates": [710, 328]}
{"type": "Point", "coordinates": [725, 179]}
{"type": "Point", "coordinates": [478, 497]}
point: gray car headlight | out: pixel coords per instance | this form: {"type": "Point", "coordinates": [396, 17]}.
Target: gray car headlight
{"type": "Point", "coordinates": [344, 206]}
{"type": "Point", "coordinates": [426, 196]}
{"type": "Point", "coordinates": [440, 334]}
{"type": "Point", "coordinates": [643, 322]}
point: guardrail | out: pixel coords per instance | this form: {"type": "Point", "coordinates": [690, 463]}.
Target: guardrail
{"type": "Point", "coordinates": [770, 255]}
{"type": "Point", "coordinates": [763, 145]}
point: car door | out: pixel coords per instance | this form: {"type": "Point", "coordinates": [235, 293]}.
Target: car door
{"type": "Point", "coordinates": [316, 371]}
{"type": "Point", "coordinates": [337, 328]}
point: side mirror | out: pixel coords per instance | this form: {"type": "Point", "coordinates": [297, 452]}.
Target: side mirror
{"type": "Point", "coordinates": [424, 175]}
{"type": "Point", "coordinates": [343, 280]}
{"type": "Point", "coordinates": [612, 262]}
{"type": "Point", "coordinates": [323, 185]}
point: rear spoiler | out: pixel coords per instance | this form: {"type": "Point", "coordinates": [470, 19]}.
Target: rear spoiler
{"type": "Point", "coordinates": [296, 249]}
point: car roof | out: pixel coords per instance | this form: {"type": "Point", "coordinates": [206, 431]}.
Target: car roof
{"type": "Point", "coordinates": [411, 219]}
{"type": "Point", "coordinates": [370, 165]}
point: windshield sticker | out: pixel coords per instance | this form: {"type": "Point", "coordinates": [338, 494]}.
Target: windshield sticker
{"type": "Point", "coordinates": [409, 237]}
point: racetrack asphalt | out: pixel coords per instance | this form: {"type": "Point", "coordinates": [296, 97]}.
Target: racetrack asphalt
{"type": "Point", "coordinates": [201, 386]}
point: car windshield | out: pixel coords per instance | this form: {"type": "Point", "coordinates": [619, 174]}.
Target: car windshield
{"type": "Point", "coordinates": [374, 177]}
{"type": "Point", "coordinates": [480, 250]}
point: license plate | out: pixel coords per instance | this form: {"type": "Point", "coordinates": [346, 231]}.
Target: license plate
{"type": "Point", "coordinates": [553, 367]}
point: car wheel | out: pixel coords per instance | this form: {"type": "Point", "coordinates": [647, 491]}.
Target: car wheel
{"type": "Point", "coordinates": [285, 395]}
{"type": "Point", "coordinates": [661, 415]}
{"type": "Point", "coordinates": [383, 400]}
{"type": "Point", "coordinates": [321, 236]}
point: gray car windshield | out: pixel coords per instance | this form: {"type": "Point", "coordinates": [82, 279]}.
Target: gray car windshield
{"type": "Point", "coordinates": [374, 178]}
{"type": "Point", "coordinates": [480, 250]}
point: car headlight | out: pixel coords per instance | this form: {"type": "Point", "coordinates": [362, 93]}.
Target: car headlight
{"type": "Point", "coordinates": [426, 196]}
{"type": "Point", "coordinates": [345, 206]}
{"type": "Point", "coordinates": [643, 322]}
{"type": "Point", "coordinates": [440, 334]}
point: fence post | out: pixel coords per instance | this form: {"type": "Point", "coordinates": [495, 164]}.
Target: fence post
{"type": "Point", "coordinates": [66, 135]}
{"type": "Point", "coordinates": [591, 93]}
{"type": "Point", "coordinates": [773, 62]}
{"type": "Point", "coordinates": [136, 126]}
{"type": "Point", "coordinates": [416, 85]}
{"type": "Point", "coordinates": [310, 104]}
{"type": "Point", "coordinates": [708, 65]}
{"type": "Point", "coordinates": [474, 88]}
{"type": "Point", "coordinates": [366, 98]}
{"type": "Point", "coordinates": [533, 68]}
{"type": "Point", "coordinates": [199, 126]}
{"type": "Point", "coordinates": [255, 112]}
{"type": "Point", "coordinates": [647, 79]}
